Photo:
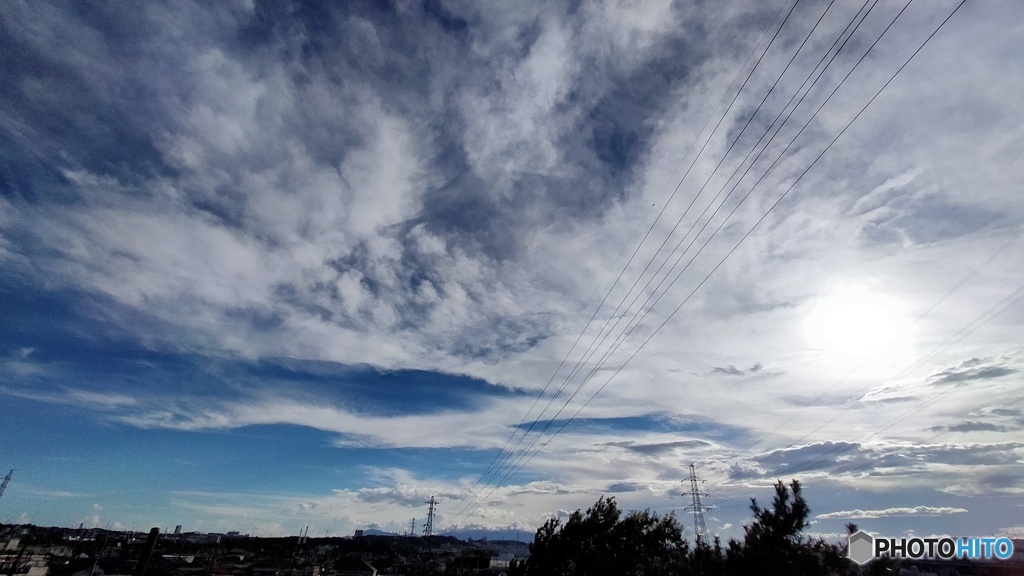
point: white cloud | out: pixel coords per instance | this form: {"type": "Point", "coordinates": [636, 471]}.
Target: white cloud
{"type": "Point", "coordinates": [1011, 531]}
{"type": "Point", "coordinates": [332, 245]}
{"type": "Point", "coordinates": [898, 511]}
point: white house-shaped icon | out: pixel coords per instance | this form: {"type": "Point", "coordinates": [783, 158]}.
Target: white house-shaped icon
{"type": "Point", "coordinates": [861, 547]}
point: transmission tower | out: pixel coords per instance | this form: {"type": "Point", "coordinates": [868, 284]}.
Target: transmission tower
{"type": "Point", "coordinates": [7, 480]}
{"type": "Point", "coordinates": [699, 529]}
{"type": "Point", "coordinates": [412, 527]}
{"type": "Point", "coordinates": [428, 528]}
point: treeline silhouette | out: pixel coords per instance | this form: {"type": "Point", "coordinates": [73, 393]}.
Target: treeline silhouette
{"type": "Point", "coordinates": [602, 542]}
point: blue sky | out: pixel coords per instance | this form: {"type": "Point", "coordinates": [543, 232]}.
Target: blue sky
{"type": "Point", "coordinates": [266, 265]}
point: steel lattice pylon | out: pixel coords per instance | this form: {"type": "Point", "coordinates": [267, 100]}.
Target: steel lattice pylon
{"type": "Point", "coordinates": [699, 529]}
{"type": "Point", "coordinates": [428, 528]}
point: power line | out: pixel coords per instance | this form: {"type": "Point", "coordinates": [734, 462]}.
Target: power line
{"type": "Point", "coordinates": [990, 314]}
{"type": "Point", "coordinates": [592, 347]}
{"type": "Point", "coordinates": [868, 464]}
{"type": "Point", "coordinates": [931, 308]}
{"type": "Point", "coordinates": [7, 480]}
{"type": "Point", "coordinates": [644, 343]}
{"type": "Point", "coordinates": [1007, 302]}
{"type": "Point", "coordinates": [788, 190]}
{"type": "Point", "coordinates": [986, 317]}
{"type": "Point", "coordinates": [523, 462]}
{"type": "Point", "coordinates": [502, 454]}
{"type": "Point", "coordinates": [929, 244]}
{"type": "Point", "coordinates": [641, 313]}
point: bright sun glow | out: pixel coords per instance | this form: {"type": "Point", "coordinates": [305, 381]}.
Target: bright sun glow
{"type": "Point", "coordinates": [856, 323]}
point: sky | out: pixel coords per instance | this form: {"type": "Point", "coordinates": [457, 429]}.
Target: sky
{"type": "Point", "coordinates": [266, 265]}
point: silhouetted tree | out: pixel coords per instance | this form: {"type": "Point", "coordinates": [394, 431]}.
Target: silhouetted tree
{"type": "Point", "coordinates": [602, 543]}
{"type": "Point", "coordinates": [707, 560]}
{"type": "Point", "coordinates": [774, 543]}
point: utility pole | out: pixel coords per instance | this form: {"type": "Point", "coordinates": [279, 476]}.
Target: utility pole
{"type": "Point", "coordinates": [699, 529]}
{"type": "Point", "coordinates": [7, 481]}
{"type": "Point", "coordinates": [428, 529]}
{"type": "Point", "coordinates": [147, 552]}
{"type": "Point", "coordinates": [96, 563]}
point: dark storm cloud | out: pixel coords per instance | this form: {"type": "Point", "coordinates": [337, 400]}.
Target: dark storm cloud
{"type": "Point", "coordinates": [654, 422]}
{"type": "Point", "coordinates": [892, 400]}
{"type": "Point", "coordinates": [731, 370]}
{"type": "Point", "coordinates": [826, 399]}
{"type": "Point", "coordinates": [971, 370]}
{"type": "Point", "coordinates": [840, 458]}
{"type": "Point", "coordinates": [971, 427]}
{"type": "Point", "coordinates": [501, 338]}
{"type": "Point", "coordinates": [402, 495]}
{"type": "Point", "coordinates": [728, 371]}
{"type": "Point", "coordinates": [1002, 481]}
{"type": "Point", "coordinates": [1004, 418]}
{"type": "Point", "coordinates": [659, 448]}
{"type": "Point", "coordinates": [625, 487]}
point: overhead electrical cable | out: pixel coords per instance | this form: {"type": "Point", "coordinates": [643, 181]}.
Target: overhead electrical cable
{"type": "Point", "coordinates": [1004, 304]}
{"type": "Point", "coordinates": [814, 162]}
{"type": "Point", "coordinates": [641, 313]}
{"type": "Point", "coordinates": [920, 361]}
{"type": "Point", "coordinates": [618, 340]}
{"type": "Point", "coordinates": [604, 359]}
{"type": "Point", "coordinates": [761, 219]}
{"type": "Point", "coordinates": [651, 228]}
{"type": "Point", "coordinates": [575, 370]}
{"type": "Point", "coordinates": [927, 245]}
{"type": "Point", "coordinates": [616, 372]}
{"type": "Point", "coordinates": [593, 349]}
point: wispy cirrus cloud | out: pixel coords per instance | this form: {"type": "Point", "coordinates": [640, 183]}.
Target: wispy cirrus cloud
{"type": "Point", "coordinates": [100, 401]}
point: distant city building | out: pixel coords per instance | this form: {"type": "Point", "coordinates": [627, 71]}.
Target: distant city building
{"type": "Point", "coordinates": [502, 560]}
{"type": "Point", "coordinates": [359, 533]}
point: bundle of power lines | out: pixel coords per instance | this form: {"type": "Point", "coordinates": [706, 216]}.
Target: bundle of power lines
{"type": "Point", "coordinates": [662, 271]}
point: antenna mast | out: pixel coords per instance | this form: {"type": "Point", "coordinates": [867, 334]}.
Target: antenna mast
{"type": "Point", "coordinates": [699, 529]}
